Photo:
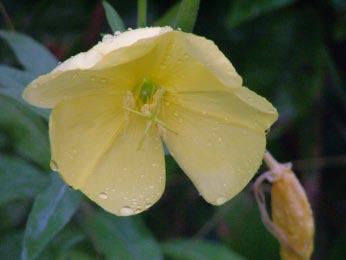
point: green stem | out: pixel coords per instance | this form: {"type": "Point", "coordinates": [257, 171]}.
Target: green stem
{"type": "Point", "coordinates": [142, 13]}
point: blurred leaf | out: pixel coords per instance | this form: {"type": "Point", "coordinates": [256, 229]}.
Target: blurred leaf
{"type": "Point", "coordinates": [339, 7]}
{"type": "Point", "coordinates": [12, 84]}
{"type": "Point", "coordinates": [187, 15]}
{"type": "Point", "coordinates": [65, 241]}
{"type": "Point", "coordinates": [10, 246]}
{"type": "Point", "coordinates": [188, 249]}
{"type": "Point", "coordinates": [13, 214]}
{"type": "Point", "coordinates": [51, 211]}
{"type": "Point", "coordinates": [168, 18]}
{"type": "Point", "coordinates": [338, 248]}
{"type": "Point", "coordinates": [75, 254]}
{"type": "Point", "coordinates": [121, 238]}
{"type": "Point", "coordinates": [19, 180]}
{"type": "Point", "coordinates": [34, 57]}
{"type": "Point", "coordinates": [26, 132]}
{"type": "Point", "coordinates": [241, 220]}
{"type": "Point", "coordinates": [246, 10]}
{"type": "Point", "coordinates": [273, 66]}
{"type": "Point", "coordinates": [113, 18]}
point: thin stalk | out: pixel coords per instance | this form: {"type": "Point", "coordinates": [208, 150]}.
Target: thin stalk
{"type": "Point", "coordinates": [142, 13]}
{"type": "Point", "coordinates": [6, 17]}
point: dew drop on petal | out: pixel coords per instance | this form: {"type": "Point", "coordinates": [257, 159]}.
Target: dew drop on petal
{"type": "Point", "coordinates": [126, 211]}
{"type": "Point", "coordinates": [148, 205]}
{"type": "Point", "coordinates": [54, 165]}
{"type": "Point", "coordinates": [138, 210]}
{"type": "Point", "coordinates": [103, 196]}
{"type": "Point", "coordinates": [267, 131]}
{"type": "Point", "coordinates": [220, 200]}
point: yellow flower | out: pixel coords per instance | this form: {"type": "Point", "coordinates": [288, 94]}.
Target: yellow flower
{"type": "Point", "coordinates": [114, 105]}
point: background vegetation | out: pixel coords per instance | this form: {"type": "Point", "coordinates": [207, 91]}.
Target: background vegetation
{"type": "Point", "coordinates": [291, 52]}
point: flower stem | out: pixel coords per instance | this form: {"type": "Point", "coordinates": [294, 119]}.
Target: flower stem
{"type": "Point", "coordinates": [142, 13]}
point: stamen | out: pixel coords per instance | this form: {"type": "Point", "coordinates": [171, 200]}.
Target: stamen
{"type": "Point", "coordinates": [146, 102]}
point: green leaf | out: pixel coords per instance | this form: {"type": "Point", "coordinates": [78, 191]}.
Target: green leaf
{"type": "Point", "coordinates": [12, 84]}
{"type": "Point", "coordinates": [34, 57]}
{"type": "Point", "coordinates": [246, 10]}
{"type": "Point", "coordinates": [113, 18]}
{"type": "Point", "coordinates": [187, 15]}
{"type": "Point", "coordinates": [121, 238]}
{"type": "Point", "coordinates": [271, 65]}
{"type": "Point", "coordinates": [19, 180]}
{"type": "Point", "coordinates": [240, 221]}
{"type": "Point", "coordinates": [69, 238]}
{"type": "Point", "coordinates": [190, 249]}
{"type": "Point", "coordinates": [10, 246]}
{"type": "Point", "coordinates": [51, 211]}
{"type": "Point", "coordinates": [26, 133]}
{"type": "Point", "coordinates": [168, 19]}
{"type": "Point", "coordinates": [142, 13]}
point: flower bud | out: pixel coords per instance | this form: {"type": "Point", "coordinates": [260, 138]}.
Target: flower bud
{"type": "Point", "coordinates": [291, 212]}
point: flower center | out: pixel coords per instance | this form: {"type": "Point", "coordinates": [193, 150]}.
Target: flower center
{"type": "Point", "coordinates": [144, 93]}
{"type": "Point", "coordinates": [145, 101]}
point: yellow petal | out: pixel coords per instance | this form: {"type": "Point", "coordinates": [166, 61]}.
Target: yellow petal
{"type": "Point", "coordinates": [220, 141]}
{"type": "Point", "coordinates": [108, 67]}
{"type": "Point", "coordinates": [99, 154]}
{"type": "Point", "coordinates": [209, 55]}
{"type": "Point", "coordinates": [177, 65]}
{"type": "Point", "coordinates": [48, 90]}
{"type": "Point", "coordinates": [124, 47]}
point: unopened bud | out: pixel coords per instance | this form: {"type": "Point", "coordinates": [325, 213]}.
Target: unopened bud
{"type": "Point", "coordinates": [292, 220]}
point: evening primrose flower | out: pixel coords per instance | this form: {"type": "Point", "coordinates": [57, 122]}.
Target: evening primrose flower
{"type": "Point", "coordinates": [115, 104]}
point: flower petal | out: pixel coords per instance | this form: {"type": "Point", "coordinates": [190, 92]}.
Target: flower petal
{"type": "Point", "coordinates": [48, 90]}
{"type": "Point", "coordinates": [106, 68]}
{"type": "Point", "coordinates": [209, 54]}
{"type": "Point", "coordinates": [99, 154]}
{"type": "Point", "coordinates": [181, 61]}
{"type": "Point", "coordinates": [220, 140]}
{"type": "Point", "coordinates": [124, 47]}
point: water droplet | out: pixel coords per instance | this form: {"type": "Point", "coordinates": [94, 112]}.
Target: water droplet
{"type": "Point", "coordinates": [176, 114]}
{"type": "Point", "coordinates": [151, 187]}
{"type": "Point", "coordinates": [34, 85]}
{"type": "Point", "coordinates": [220, 200]}
{"type": "Point", "coordinates": [126, 211]}
{"type": "Point", "coordinates": [148, 205]}
{"type": "Point", "coordinates": [103, 196]}
{"type": "Point", "coordinates": [267, 131]}
{"type": "Point", "coordinates": [138, 210]}
{"type": "Point", "coordinates": [180, 120]}
{"type": "Point", "coordinates": [154, 164]}
{"type": "Point", "coordinates": [54, 166]}
{"type": "Point", "coordinates": [129, 29]}
{"type": "Point", "coordinates": [220, 139]}
{"type": "Point", "coordinates": [124, 169]}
